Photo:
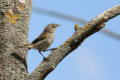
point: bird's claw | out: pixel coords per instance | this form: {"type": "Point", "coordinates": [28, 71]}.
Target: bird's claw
{"type": "Point", "coordinates": [45, 59]}
{"type": "Point", "coordinates": [50, 49]}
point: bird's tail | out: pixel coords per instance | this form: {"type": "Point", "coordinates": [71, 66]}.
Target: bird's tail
{"type": "Point", "coordinates": [29, 46]}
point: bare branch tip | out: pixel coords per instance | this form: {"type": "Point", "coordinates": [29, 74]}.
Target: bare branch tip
{"type": "Point", "coordinates": [76, 27]}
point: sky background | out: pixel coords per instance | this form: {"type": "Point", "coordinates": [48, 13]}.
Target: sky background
{"type": "Point", "coordinates": [97, 58]}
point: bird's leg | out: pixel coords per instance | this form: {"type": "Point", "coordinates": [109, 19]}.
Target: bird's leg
{"type": "Point", "coordinates": [50, 49]}
{"type": "Point", "coordinates": [44, 58]}
{"type": "Point", "coordinates": [41, 54]}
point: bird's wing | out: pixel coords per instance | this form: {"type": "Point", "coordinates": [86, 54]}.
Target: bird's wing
{"type": "Point", "coordinates": [40, 38]}
{"type": "Point", "coordinates": [25, 46]}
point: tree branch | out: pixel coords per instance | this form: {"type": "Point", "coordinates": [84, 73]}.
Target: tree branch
{"type": "Point", "coordinates": [111, 34]}
{"type": "Point", "coordinates": [73, 19]}
{"type": "Point", "coordinates": [56, 56]}
{"type": "Point", "coordinates": [60, 15]}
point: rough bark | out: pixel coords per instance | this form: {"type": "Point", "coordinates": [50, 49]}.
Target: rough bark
{"type": "Point", "coordinates": [14, 21]}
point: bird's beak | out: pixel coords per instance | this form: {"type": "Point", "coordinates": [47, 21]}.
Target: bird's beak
{"type": "Point", "coordinates": [58, 24]}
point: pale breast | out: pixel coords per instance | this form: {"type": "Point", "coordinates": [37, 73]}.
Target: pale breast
{"type": "Point", "coordinates": [44, 44]}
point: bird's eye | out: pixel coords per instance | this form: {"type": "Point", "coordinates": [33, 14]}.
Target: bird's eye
{"type": "Point", "coordinates": [54, 26]}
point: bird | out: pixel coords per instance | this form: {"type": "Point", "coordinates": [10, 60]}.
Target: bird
{"type": "Point", "coordinates": [44, 40]}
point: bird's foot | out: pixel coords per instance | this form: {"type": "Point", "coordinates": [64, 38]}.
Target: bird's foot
{"type": "Point", "coordinates": [42, 54]}
{"type": "Point", "coordinates": [50, 49]}
{"type": "Point", "coordinates": [45, 59]}
{"type": "Point", "coordinates": [53, 49]}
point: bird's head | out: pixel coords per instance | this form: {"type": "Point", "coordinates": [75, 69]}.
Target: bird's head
{"type": "Point", "coordinates": [51, 27]}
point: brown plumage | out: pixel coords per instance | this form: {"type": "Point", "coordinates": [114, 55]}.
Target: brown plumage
{"type": "Point", "coordinates": [44, 40]}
